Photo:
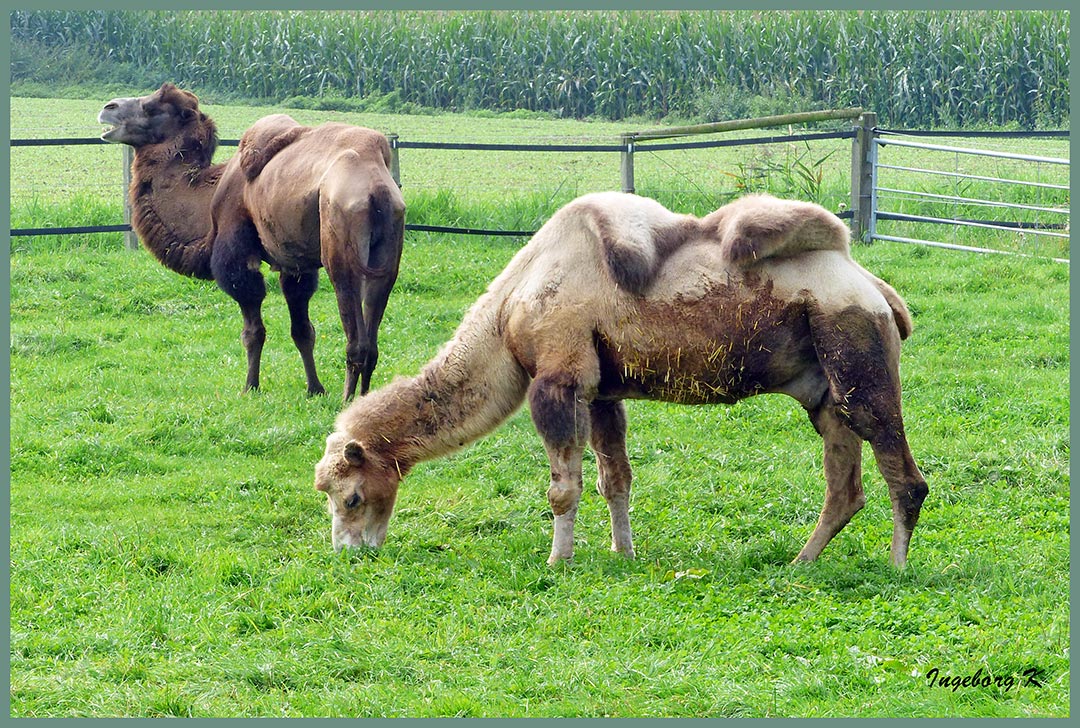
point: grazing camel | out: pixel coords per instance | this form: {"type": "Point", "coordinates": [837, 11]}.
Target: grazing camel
{"type": "Point", "coordinates": [296, 197]}
{"type": "Point", "coordinates": [617, 297]}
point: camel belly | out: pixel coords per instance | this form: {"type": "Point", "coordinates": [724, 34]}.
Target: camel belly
{"type": "Point", "coordinates": [719, 348]}
{"type": "Point", "coordinates": [288, 229]}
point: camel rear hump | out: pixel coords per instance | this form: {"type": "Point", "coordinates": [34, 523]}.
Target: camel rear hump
{"type": "Point", "coordinates": [760, 226]}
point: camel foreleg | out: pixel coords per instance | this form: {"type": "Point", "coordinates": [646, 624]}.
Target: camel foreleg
{"type": "Point", "coordinates": [235, 264]}
{"type": "Point", "coordinates": [560, 412]}
{"type": "Point", "coordinates": [608, 440]}
{"type": "Point", "coordinates": [564, 495]}
{"type": "Point", "coordinates": [298, 290]}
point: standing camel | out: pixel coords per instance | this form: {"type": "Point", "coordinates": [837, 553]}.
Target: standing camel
{"type": "Point", "coordinates": [616, 297]}
{"type": "Point", "coordinates": [296, 197]}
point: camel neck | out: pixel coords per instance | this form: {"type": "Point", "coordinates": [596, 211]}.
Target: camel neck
{"type": "Point", "coordinates": [170, 206]}
{"type": "Point", "coordinates": [466, 391]}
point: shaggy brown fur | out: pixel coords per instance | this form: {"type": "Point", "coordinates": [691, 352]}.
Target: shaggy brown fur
{"type": "Point", "coordinates": [296, 197]}
{"type": "Point", "coordinates": [617, 297]}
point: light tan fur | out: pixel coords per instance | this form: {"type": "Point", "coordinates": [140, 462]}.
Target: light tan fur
{"type": "Point", "coordinates": [296, 197]}
{"type": "Point", "coordinates": [616, 297]}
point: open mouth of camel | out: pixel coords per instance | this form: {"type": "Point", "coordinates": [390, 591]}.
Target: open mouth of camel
{"type": "Point", "coordinates": [108, 129]}
{"type": "Point", "coordinates": [109, 126]}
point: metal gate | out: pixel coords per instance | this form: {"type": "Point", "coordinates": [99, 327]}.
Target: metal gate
{"type": "Point", "coordinates": [1030, 206]}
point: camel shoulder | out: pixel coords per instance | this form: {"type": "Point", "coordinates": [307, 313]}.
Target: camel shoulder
{"type": "Point", "coordinates": [264, 140]}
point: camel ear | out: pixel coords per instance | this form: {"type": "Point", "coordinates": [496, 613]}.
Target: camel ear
{"type": "Point", "coordinates": [354, 453]}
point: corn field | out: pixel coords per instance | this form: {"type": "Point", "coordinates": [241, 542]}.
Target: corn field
{"type": "Point", "coordinates": [915, 69]}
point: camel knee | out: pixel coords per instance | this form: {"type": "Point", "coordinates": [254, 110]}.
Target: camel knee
{"type": "Point", "coordinates": [303, 335]}
{"type": "Point", "coordinates": [858, 502]}
{"type": "Point", "coordinates": [563, 496]}
{"type": "Point", "coordinates": [253, 336]}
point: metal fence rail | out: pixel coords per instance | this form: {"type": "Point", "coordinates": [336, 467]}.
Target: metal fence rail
{"type": "Point", "coordinates": [396, 144]}
{"type": "Point", "coordinates": [1038, 227]}
{"type": "Point", "coordinates": [865, 212]}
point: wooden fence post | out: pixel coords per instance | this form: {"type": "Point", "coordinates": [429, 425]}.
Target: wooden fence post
{"type": "Point", "coordinates": [395, 162]}
{"type": "Point", "coordinates": [862, 177]}
{"type": "Point", "coordinates": [626, 165]}
{"type": "Point", "coordinates": [131, 239]}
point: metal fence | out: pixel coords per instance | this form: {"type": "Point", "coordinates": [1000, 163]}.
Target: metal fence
{"type": "Point", "coordinates": [1042, 211]}
{"type": "Point", "coordinates": [626, 148]}
{"type": "Point", "coordinates": [869, 196]}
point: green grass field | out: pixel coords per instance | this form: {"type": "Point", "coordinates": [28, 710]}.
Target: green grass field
{"type": "Point", "coordinates": [170, 557]}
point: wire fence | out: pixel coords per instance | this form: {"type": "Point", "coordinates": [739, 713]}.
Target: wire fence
{"type": "Point", "coordinates": [1037, 207]}
{"type": "Point", "coordinates": [399, 144]}
{"type": "Point", "coordinates": [888, 202]}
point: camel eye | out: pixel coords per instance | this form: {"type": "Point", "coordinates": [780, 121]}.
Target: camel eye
{"type": "Point", "coordinates": [352, 501]}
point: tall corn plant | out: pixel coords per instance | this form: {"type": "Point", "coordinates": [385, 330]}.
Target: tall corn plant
{"type": "Point", "coordinates": [913, 68]}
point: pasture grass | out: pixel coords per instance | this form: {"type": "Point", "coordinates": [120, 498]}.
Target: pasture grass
{"type": "Point", "coordinates": [170, 557]}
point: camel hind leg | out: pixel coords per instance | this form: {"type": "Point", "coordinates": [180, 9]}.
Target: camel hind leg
{"type": "Point", "coordinates": [387, 215]}
{"type": "Point", "coordinates": [859, 353]}
{"type": "Point", "coordinates": [843, 479]}
{"type": "Point", "coordinates": [344, 231]}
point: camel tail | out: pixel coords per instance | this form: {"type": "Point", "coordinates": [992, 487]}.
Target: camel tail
{"type": "Point", "coordinates": [386, 232]}
{"type": "Point", "coordinates": [904, 323]}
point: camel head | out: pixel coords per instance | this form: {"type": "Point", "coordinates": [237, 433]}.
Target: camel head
{"type": "Point", "coordinates": [360, 491]}
{"type": "Point", "coordinates": [167, 115]}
